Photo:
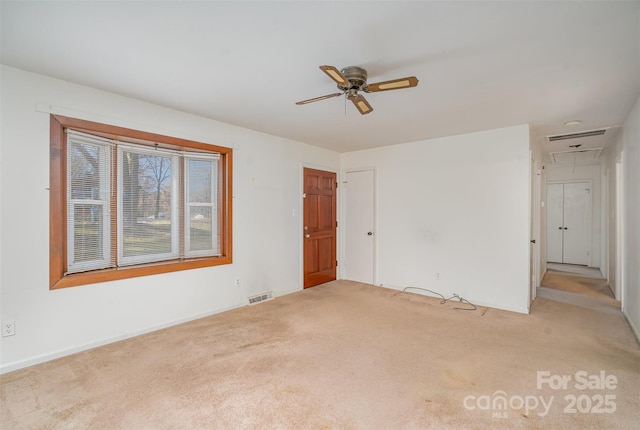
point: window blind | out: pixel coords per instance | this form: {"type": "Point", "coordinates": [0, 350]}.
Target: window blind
{"type": "Point", "coordinates": [88, 203]}
{"type": "Point", "coordinates": [147, 205]}
{"type": "Point", "coordinates": [201, 210]}
{"type": "Point", "coordinates": [130, 203]}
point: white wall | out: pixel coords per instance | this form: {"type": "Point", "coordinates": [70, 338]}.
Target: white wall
{"type": "Point", "coordinates": [626, 148]}
{"type": "Point", "coordinates": [631, 218]}
{"type": "Point", "coordinates": [584, 173]}
{"type": "Point", "coordinates": [459, 206]}
{"type": "Point", "coordinates": [609, 171]}
{"type": "Point", "coordinates": [538, 212]}
{"type": "Point", "coordinates": [267, 252]}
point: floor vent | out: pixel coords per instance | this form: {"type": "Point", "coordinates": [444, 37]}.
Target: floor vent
{"type": "Point", "coordinates": [578, 135]}
{"type": "Point", "coordinates": [259, 298]}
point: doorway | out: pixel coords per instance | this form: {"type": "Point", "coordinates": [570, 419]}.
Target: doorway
{"type": "Point", "coordinates": [319, 229]}
{"type": "Point", "coordinates": [359, 210]}
{"type": "Point", "coordinates": [569, 222]}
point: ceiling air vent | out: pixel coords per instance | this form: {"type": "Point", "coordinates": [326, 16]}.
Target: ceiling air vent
{"type": "Point", "coordinates": [578, 135]}
{"type": "Point", "coordinates": [583, 156]}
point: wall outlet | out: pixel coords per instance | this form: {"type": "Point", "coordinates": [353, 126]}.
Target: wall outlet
{"type": "Point", "coordinates": [237, 282]}
{"type": "Point", "coordinates": [438, 276]}
{"type": "Point", "coordinates": [8, 328]}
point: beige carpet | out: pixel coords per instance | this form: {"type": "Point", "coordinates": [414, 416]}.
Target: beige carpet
{"type": "Point", "coordinates": [342, 355]}
{"type": "Point", "coordinates": [595, 286]}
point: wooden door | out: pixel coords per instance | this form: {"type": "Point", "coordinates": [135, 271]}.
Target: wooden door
{"type": "Point", "coordinates": [359, 257]}
{"type": "Point", "coordinates": [319, 231]}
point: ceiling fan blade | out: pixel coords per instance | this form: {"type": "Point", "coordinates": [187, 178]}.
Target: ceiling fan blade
{"type": "Point", "coordinates": [395, 84]}
{"type": "Point", "coordinates": [317, 99]}
{"type": "Point", "coordinates": [336, 75]}
{"type": "Point", "coordinates": [361, 104]}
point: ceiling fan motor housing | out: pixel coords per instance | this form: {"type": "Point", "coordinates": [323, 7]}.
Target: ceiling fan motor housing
{"type": "Point", "coordinates": [356, 76]}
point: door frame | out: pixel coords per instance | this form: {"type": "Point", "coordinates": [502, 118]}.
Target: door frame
{"type": "Point", "coordinates": [619, 233]}
{"type": "Point", "coordinates": [535, 226]}
{"type": "Point", "coordinates": [301, 217]}
{"type": "Point", "coordinates": [589, 214]}
{"type": "Point", "coordinates": [342, 219]}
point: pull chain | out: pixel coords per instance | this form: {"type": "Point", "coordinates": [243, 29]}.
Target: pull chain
{"type": "Point", "coordinates": [345, 105]}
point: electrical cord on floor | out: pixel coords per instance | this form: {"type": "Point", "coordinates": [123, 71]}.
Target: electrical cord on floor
{"type": "Point", "coordinates": [465, 301]}
{"type": "Point", "coordinates": [445, 300]}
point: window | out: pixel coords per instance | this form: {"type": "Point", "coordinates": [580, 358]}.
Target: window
{"type": "Point", "coordinates": [127, 203]}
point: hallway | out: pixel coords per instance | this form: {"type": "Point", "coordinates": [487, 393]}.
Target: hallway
{"type": "Point", "coordinates": [580, 286]}
{"type": "Point", "coordinates": [576, 279]}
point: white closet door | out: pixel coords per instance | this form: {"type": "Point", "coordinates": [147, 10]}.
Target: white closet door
{"type": "Point", "coordinates": [568, 223]}
{"type": "Point", "coordinates": [577, 209]}
{"type": "Point", "coordinates": [359, 232]}
{"type": "Point", "coordinates": [555, 222]}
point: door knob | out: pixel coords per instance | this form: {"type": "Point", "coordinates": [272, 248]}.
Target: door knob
{"type": "Point", "coordinates": [369, 233]}
{"type": "Point", "coordinates": [306, 228]}
{"type": "Point", "coordinates": [566, 228]}
{"type": "Point", "coordinates": [559, 228]}
{"type": "Point", "coordinates": [533, 241]}
{"type": "Point", "coordinates": [307, 236]}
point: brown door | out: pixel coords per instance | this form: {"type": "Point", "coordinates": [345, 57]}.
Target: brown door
{"type": "Point", "coordinates": [319, 232]}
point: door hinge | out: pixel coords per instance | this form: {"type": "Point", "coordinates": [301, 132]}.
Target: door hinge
{"type": "Point", "coordinates": [336, 185]}
{"type": "Point", "coordinates": [336, 224]}
{"type": "Point", "coordinates": [336, 263]}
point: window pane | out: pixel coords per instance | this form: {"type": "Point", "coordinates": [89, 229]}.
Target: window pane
{"type": "Point", "coordinates": [200, 181]}
{"type": "Point", "coordinates": [87, 199]}
{"type": "Point", "coordinates": [87, 233]}
{"type": "Point", "coordinates": [202, 218]}
{"type": "Point", "coordinates": [125, 198]}
{"type": "Point", "coordinates": [200, 228]}
{"type": "Point", "coordinates": [84, 171]}
{"type": "Point", "coordinates": [146, 205]}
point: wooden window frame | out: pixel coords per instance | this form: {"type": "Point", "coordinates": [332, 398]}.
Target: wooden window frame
{"type": "Point", "coordinates": [58, 207]}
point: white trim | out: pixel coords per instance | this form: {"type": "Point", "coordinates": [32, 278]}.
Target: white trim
{"type": "Point", "coordinates": [16, 365]}
{"type": "Point", "coordinates": [634, 329]}
{"type": "Point", "coordinates": [476, 302]}
{"type": "Point", "coordinates": [620, 229]}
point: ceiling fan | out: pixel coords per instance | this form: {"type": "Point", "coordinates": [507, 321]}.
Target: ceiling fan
{"type": "Point", "coordinates": [352, 79]}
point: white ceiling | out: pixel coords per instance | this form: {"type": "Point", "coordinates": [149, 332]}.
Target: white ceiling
{"type": "Point", "coordinates": [481, 65]}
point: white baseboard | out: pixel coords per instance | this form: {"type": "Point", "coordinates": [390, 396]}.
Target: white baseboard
{"type": "Point", "coordinates": [10, 367]}
{"type": "Point", "coordinates": [476, 302]}
{"type": "Point", "coordinates": [634, 328]}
